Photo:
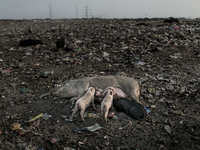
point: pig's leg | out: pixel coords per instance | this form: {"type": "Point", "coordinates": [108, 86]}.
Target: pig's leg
{"type": "Point", "coordinates": [93, 103]}
{"type": "Point", "coordinates": [81, 113]}
{"type": "Point", "coordinates": [106, 115]}
{"type": "Point", "coordinates": [74, 112]}
{"type": "Point", "coordinates": [102, 112]}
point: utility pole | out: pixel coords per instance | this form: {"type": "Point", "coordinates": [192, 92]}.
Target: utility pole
{"type": "Point", "coordinates": [76, 12]}
{"type": "Point", "coordinates": [86, 11]}
{"type": "Point", "coordinates": [50, 11]}
{"type": "Point", "coordinates": [91, 13]}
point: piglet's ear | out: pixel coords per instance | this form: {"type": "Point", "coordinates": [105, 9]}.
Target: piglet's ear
{"type": "Point", "coordinates": [111, 92]}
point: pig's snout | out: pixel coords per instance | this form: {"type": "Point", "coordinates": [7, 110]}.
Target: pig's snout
{"type": "Point", "coordinates": [53, 92]}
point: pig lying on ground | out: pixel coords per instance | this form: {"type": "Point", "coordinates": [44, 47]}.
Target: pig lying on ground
{"type": "Point", "coordinates": [107, 103]}
{"type": "Point", "coordinates": [131, 108]}
{"type": "Point", "coordinates": [84, 102]}
{"type": "Point", "coordinates": [74, 89]}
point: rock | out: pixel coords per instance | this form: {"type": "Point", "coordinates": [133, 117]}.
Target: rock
{"type": "Point", "coordinates": [167, 128]}
{"type": "Point", "coordinates": [15, 126]}
{"type": "Point", "coordinates": [198, 100]}
{"type": "Point", "coordinates": [170, 87]}
{"type": "Point", "coordinates": [151, 90]}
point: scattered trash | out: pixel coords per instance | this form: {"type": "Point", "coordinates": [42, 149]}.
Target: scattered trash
{"type": "Point", "coordinates": [93, 115]}
{"type": "Point", "coordinates": [147, 110]}
{"type": "Point", "coordinates": [35, 124]}
{"type": "Point", "coordinates": [37, 117]}
{"type": "Point", "coordinates": [15, 126]}
{"type": "Point", "coordinates": [46, 116]}
{"type": "Point", "coordinates": [82, 143]}
{"type": "Point", "coordinates": [68, 120]}
{"type": "Point", "coordinates": [153, 106]}
{"type": "Point", "coordinates": [94, 127]}
{"type": "Point", "coordinates": [111, 114]}
{"type": "Point", "coordinates": [23, 131]}
{"type": "Point", "coordinates": [151, 90]}
{"type": "Point", "coordinates": [176, 27]}
{"type": "Point", "coordinates": [88, 129]}
{"type": "Point", "coordinates": [140, 63]}
{"type": "Point", "coordinates": [80, 131]}
{"type": "Point", "coordinates": [162, 54]}
{"type": "Point", "coordinates": [55, 140]}
{"type": "Point", "coordinates": [23, 90]}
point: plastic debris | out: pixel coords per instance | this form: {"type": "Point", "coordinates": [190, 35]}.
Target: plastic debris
{"type": "Point", "coordinates": [23, 131]}
{"type": "Point", "coordinates": [55, 140]}
{"type": "Point", "coordinates": [93, 115]}
{"type": "Point", "coordinates": [147, 110]}
{"type": "Point", "coordinates": [68, 120]}
{"type": "Point", "coordinates": [46, 116]}
{"type": "Point", "coordinates": [23, 90]}
{"type": "Point", "coordinates": [94, 127]}
{"type": "Point", "coordinates": [140, 63]}
{"type": "Point", "coordinates": [37, 117]}
{"type": "Point", "coordinates": [35, 124]}
{"type": "Point", "coordinates": [111, 114]}
{"type": "Point", "coordinates": [80, 131]}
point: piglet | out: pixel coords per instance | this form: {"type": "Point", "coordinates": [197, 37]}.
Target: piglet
{"type": "Point", "coordinates": [106, 104]}
{"type": "Point", "coordinates": [83, 102]}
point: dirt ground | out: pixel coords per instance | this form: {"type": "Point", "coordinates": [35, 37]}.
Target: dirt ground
{"type": "Point", "coordinates": [164, 58]}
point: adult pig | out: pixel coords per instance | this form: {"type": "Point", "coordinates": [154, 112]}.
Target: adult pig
{"type": "Point", "coordinates": [75, 89]}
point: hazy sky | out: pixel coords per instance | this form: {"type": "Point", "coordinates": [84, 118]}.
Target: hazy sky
{"type": "Point", "coordinates": [31, 9]}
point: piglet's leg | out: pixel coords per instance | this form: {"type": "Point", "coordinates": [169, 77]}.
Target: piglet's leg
{"type": "Point", "coordinates": [81, 113]}
{"type": "Point", "coordinates": [106, 115]}
{"type": "Point", "coordinates": [93, 103]}
{"type": "Point", "coordinates": [74, 112]}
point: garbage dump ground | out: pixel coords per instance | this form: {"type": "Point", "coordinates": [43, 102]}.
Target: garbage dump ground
{"type": "Point", "coordinates": [38, 55]}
